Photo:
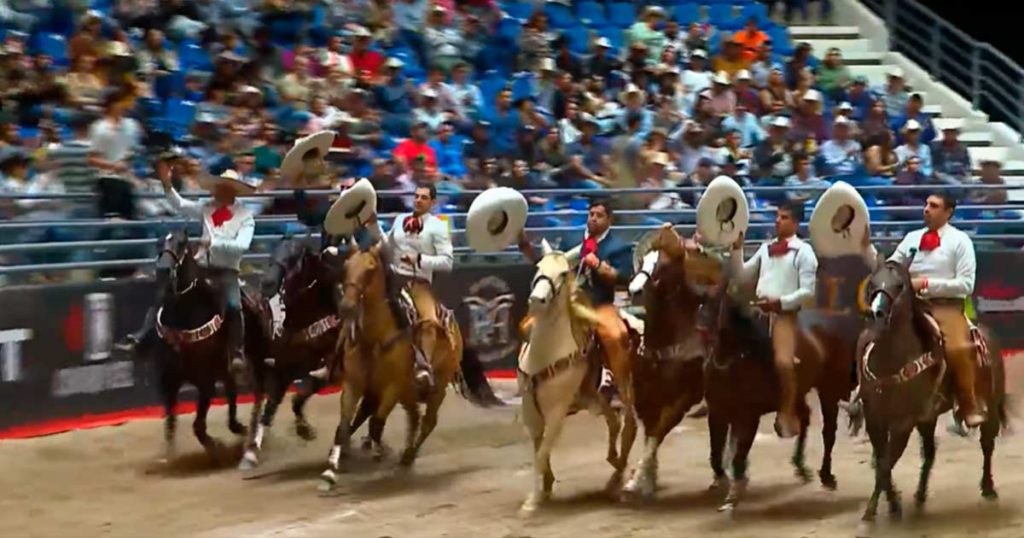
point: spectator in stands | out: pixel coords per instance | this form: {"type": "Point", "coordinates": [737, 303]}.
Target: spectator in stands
{"type": "Point", "coordinates": [552, 159]}
{"type": "Point", "coordinates": [294, 85]}
{"type": "Point", "coordinates": [669, 88]}
{"type": "Point", "coordinates": [912, 146]}
{"type": "Point", "coordinates": [803, 185]}
{"type": "Point", "coordinates": [366, 63]}
{"type": "Point", "coordinates": [693, 147]}
{"type": "Point", "coordinates": [674, 41]}
{"type": "Point", "coordinates": [696, 78]}
{"type": "Point", "coordinates": [950, 158]}
{"type": "Point", "coordinates": [534, 42]}
{"type": "Point", "coordinates": [83, 82]}
{"type": "Point", "coordinates": [910, 175]}
{"type": "Point", "coordinates": [877, 121]}
{"type": "Point", "coordinates": [567, 127]}
{"type": "Point", "coordinates": [14, 18]}
{"type": "Point", "coordinates": [845, 110]}
{"type": "Point", "coordinates": [601, 63]}
{"type": "Point", "coordinates": [840, 156]}
{"type": "Point", "coordinates": [808, 121]}
{"type": "Point", "coordinates": [750, 38]}
{"type": "Point", "coordinates": [731, 60]}
{"type": "Point", "coordinates": [776, 92]}
{"type": "Point", "coordinates": [70, 159]}
{"type": "Point", "coordinates": [668, 117]}
{"type": "Point", "coordinates": [894, 94]}
{"type": "Point", "coordinates": [564, 93]}
{"type": "Point", "coordinates": [636, 60]}
{"type": "Point", "coordinates": [646, 31]}
{"type": "Point", "coordinates": [15, 178]}
{"type": "Point", "coordinates": [746, 125]}
{"type": "Point", "coordinates": [745, 94]}
{"type": "Point", "coordinates": [113, 139]}
{"type": "Point", "coordinates": [474, 38]}
{"type": "Point", "coordinates": [772, 157]}
{"type": "Point", "coordinates": [414, 147]}
{"type": "Point", "coordinates": [914, 111]}
{"type": "Point", "coordinates": [410, 18]}
{"type": "Point", "coordinates": [519, 177]}
{"type": "Point", "coordinates": [733, 153]}
{"type": "Point", "coordinates": [332, 57]}
{"type": "Point", "coordinates": [657, 177]}
{"type": "Point", "coordinates": [154, 58]}
{"type": "Point", "coordinates": [833, 75]}
{"type": "Point", "coordinates": [445, 95]}
{"type": "Point", "coordinates": [468, 100]}
{"type": "Point", "coordinates": [589, 158]}
{"type": "Point", "coordinates": [478, 148]}
{"type": "Point", "coordinates": [762, 66]}
{"type": "Point", "coordinates": [88, 39]}
{"type": "Point", "coordinates": [429, 112]}
{"type": "Point", "coordinates": [701, 176]}
{"type": "Point", "coordinates": [503, 122]}
{"type": "Point", "coordinates": [723, 99]}
{"type": "Point", "coordinates": [697, 37]}
{"type": "Point", "coordinates": [859, 98]}
{"type": "Point", "coordinates": [880, 158]}
{"type": "Point", "coordinates": [566, 61]}
{"type": "Point", "coordinates": [442, 40]}
{"type": "Point", "coordinates": [802, 58]}
{"type": "Point", "coordinates": [991, 174]}
{"type": "Point", "coordinates": [448, 148]}
{"type": "Point", "coordinates": [634, 100]}
{"type": "Point", "coordinates": [393, 97]}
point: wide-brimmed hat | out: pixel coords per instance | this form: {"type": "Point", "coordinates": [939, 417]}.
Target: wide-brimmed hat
{"type": "Point", "coordinates": [242, 185]}
{"type": "Point", "coordinates": [292, 165]}
{"type": "Point", "coordinates": [721, 78]}
{"type": "Point", "coordinates": [722, 213]}
{"type": "Point", "coordinates": [352, 209]}
{"type": "Point", "coordinates": [839, 221]}
{"type": "Point", "coordinates": [911, 125]}
{"type": "Point", "coordinates": [949, 124]}
{"type": "Point", "coordinates": [495, 219]}
{"type": "Point", "coordinates": [660, 158]}
{"type": "Point", "coordinates": [632, 89]}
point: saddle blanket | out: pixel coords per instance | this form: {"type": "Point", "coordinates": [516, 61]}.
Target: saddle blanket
{"type": "Point", "coordinates": [445, 316]}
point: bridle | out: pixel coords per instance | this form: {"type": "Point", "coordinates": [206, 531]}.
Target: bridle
{"type": "Point", "coordinates": [556, 283]}
{"type": "Point", "coordinates": [178, 259]}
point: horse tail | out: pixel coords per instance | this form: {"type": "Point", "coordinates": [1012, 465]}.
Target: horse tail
{"type": "Point", "coordinates": [471, 382]}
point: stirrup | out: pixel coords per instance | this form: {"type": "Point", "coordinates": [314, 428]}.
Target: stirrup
{"type": "Point", "coordinates": [320, 373]}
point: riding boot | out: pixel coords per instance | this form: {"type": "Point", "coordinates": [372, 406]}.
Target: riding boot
{"type": "Point", "coordinates": [787, 424]}
{"type": "Point", "coordinates": [422, 353]}
{"type": "Point", "coordinates": [235, 323]}
{"type": "Point", "coordinates": [131, 342]}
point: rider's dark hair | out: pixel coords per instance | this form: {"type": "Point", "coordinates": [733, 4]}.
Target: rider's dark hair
{"type": "Point", "coordinates": [948, 201]}
{"type": "Point", "coordinates": [793, 208]}
{"type": "Point", "coordinates": [430, 187]}
{"type": "Point", "coordinates": [603, 203]}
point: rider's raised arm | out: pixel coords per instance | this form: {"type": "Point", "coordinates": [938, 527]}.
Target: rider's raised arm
{"type": "Point", "coordinates": [573, 255]}
{"type": "Point", "coordinates": [807, 272]}
{"type": "Point", "coordinates": [188, 208]}
{"type": "Point", "coordinates": [443, 258]}
{"type": "Point", "coordinates": [307, 213]}
{"type": "Point", "coordinates": [746, 271]}
{"type": "Point", "coordinates": [961, 285]}
{"type": "Point", "coordinates": [238, 245]}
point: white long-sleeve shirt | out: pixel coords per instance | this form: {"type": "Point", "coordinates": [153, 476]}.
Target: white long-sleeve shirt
{"type": "Point", "coordinates": [950, 269]}
{"type": "Point", "coordinates": [229, 241]}
{"type": "Point", "coordinates": [791, 277]}
{"type": "Point", "coordinates": [432, 246]}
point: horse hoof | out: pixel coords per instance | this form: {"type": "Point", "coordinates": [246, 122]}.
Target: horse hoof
{"type": "Point", "coordinates": [408, 458]}
{"type": "Point", "coordinates": [367, 444]}
{"type": "Point", "coordinates": [803, 473]}
{"type": "Point", "coordinates": [529, 507]}
{"type": "Point", "coordinates": [728, 508]}
{"type": "Point", "coordinates": [237, 428]}
{"type": "Point", "coordinates": [828, 481]}
{"type": "Point", "coordinates": [990, 494]}
{"type": "Point", "coordinates": [305, 431]}
{"type": "Point", "coordinates": [864, 529]}
{"type": "Point", "coordinates": [327, 481]}
{"type": "Point", "coordinates": [720, 483]}
{"type": "Point", "coordinates": [249, 461]}
{"type": "Point", "coordinates": [919, 500]}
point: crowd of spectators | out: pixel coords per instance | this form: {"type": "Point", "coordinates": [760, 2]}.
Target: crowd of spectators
{"type": "Point", "coordinates": [455, 92]}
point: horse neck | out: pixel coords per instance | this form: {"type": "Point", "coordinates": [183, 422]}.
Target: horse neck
{"type": "Point", "coordinates": [190, 310]}
{"type": "Point", "coordinates": [552, 337]}
{"type": "Point", "coordinates": [900, 342]}
{"type": "Point", "coordinates": [379, 322]}
{"type": "Point", "coordinates": [670, 312]}
{"type": "Point", "coordinates": [307, 305]}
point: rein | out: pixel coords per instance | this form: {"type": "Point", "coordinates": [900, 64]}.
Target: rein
{"type": "Point", "coordinates": [909, 371]}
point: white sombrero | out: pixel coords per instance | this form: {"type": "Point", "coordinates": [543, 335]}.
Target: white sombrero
{"type": "Point", "coordinates": [354, 207]}
{"type": "Point", "coordinates": [839, 221]}
{"type": "Point", "coordinates": [242, 185]}
{"type": "Point", "coordinates": [722, 213]}
{"type": "Point", "coordinates": [292, 165]}
{"type": "Point", "coordinates": [495, 219]}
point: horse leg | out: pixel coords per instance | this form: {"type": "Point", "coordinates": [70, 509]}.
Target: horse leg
{"type": "Point", "coordinates": [534, 421]}
{"type": "Point", "coordinates": [927, 432]}
{"type": "Point", "coordinates": [250, 458]}
{"type": "Point", "coordinates": [342, 438]}
{"type": "Point", "coordinates": [170, 385]}
{"type": "Point", "coordinates": [614, 424]}
{"type": "Point", "coordinates": [199, 424]}
{"type": "Point", "coordinates": [629, 431]}
{"type": "Point", "coordinates": [897, 444]}
{"type": "Point", "coordinates": [799, 468]}
{"type": "Point", "coordinates": [366, 408]}
{"type": "Point", "coordinates": [718, 428]}
{"type": "Point", "coordinates": [645, 479]}
{"type": "Point", "coordinates": [553, 400]}
{"type": "Point", "coordinates": [430, 416]}
{"type": "Point", "coordinates": [743, 432]}
{"type": "Point", "coordinates": [413, 434]}
{"type": "Point", "coordinates": [878, 434]}
{"type": "Point", "coordinates": [231, 392]}
{"type": "Point", "coordinates": [303, 428]}
{"type": "Point", "coordinates": [829, 425]}
{"type": "Point", "coordinates": [989, 432]}
{"type": "Point", "coordinates": [388, 401]}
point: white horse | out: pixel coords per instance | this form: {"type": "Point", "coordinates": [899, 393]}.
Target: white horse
{"type": "Point", "coordinates": [553, 370]}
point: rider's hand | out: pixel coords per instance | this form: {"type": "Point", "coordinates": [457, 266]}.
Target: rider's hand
{"type": "Point", "coordinates": [770, 305]}
{"type": "Point", "coordinates": [372, 219]}
{"type": "Point", "coordinates": [738, 243]}
{"type": "Point", "coordinates": [409, 260]}
{"type": "Point", "coordinates": [919, 283]}
{"type": "Point", "coordinates": [591, 260]}
{"type": "Point", "coordinates": [204, 242]}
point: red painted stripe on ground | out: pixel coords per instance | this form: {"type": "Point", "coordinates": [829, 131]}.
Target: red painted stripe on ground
{"type": "Point", "coordinates": [115, 418]}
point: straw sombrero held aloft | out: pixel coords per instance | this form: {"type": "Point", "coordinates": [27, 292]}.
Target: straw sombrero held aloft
{"type": "Point", "coordinates": [229, 178]}
{"type": "Point", "coordinates": [304, 164]}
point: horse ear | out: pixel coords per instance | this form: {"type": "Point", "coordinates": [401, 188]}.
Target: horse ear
{"type": "Point", "coordinates": [545, 247]}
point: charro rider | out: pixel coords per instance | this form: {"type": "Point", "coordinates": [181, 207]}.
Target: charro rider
{"type": "Point", "coordinates": [604, 262]}
{"type": "Point", "coordinates": [942, 270]}
{"type": "Point", "coordinates": [419, 246]}
{"type": "Point", "coordinates": [786, 271]}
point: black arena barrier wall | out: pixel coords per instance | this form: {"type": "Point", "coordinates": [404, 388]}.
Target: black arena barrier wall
{"type": "Point", "coordinates": [58, 370]}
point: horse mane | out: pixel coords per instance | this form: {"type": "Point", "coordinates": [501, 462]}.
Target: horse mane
{"type": "Point", "coordinates": [750, 334]}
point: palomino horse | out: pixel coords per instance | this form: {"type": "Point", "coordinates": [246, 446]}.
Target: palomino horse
{"type": "Point", "coordinates": [741, 385]}
{"type": "Point", "coordinates": [307, 281]}
{"type": "Point", "coordinates": [190, 323]}
{"type": "Point", "coordinates": [668, 371]}
{"type": "Point", "coordinates": [904, 386]}
{"type": "Point", "coordinates": [378, 365]}
{"type": "Point", "coordinates": [558, 372]}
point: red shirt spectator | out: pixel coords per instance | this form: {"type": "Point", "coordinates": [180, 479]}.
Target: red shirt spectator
{"type": "Point", "coordinates": [415, 146]}
{"type": "Point", "coordinates": [365, 62]}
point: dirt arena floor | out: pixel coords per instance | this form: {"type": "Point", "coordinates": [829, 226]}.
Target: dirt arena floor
{"type": "Point", "coordinates": [469, 482]}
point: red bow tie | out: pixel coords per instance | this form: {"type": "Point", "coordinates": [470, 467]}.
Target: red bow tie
{"type": "Point", "coordinates": [412, 225]}
{"type": "Point", "coordinates": [221, 215]}
{"type": "Point", "coordinates": [929, 241]}
{"type": "Point", "coordinates": [589, 246]}
{"type": "Point", "coordinates": [778, 248]}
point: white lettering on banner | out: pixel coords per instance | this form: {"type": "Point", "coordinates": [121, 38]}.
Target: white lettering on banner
{"type": "Point", "coordinates": [1001, 305]}
{"type": "Point", "coordinates": [490, 303]}
{"type": "Point", "coordinates": [99, 334]}
{"type": "Point", "coordinates": [93, 379]}
{"type": "Point", "coordinates": [10, 353]}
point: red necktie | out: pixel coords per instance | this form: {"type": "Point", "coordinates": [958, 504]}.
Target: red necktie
{"type": "Point", "coordinates": [221, 215]}
{"type": "Point", "coordinates": [589, 246]}
{"type": "Point", "coordinates": [929, 241]}
{"type": "Point", "coordinates": [412, 225]}
{"type": "Point", "coordinates": [778, 248]}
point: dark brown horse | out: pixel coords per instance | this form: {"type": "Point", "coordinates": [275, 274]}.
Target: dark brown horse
{"type": "Point", "coordinates": [309, 283]}
{"type": "Point", "coordinates": [668, 376]}
{"type": "Point", "coordinates": [194, 345]}
{"type": "Point", "coordinates": [741, 385]}
{"type": "Point", "coordinates": [905, 385]}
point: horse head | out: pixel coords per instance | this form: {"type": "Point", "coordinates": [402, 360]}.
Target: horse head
{"type": "Point", "coordinates": [551, 280]}
{"type": "Point", "coordinates": [889, 293]}
{"type": "Point", "coordinates": [177, 256]}
{"type": "Point", "coordinates": [283, 260]}
{"type": "Point", "coordinates": [363, 272]}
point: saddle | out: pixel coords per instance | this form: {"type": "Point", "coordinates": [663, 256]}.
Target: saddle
{"type": "Point", "coordinates": [445, 316]}
{"type": "Point", "coordinates": [256, 304]}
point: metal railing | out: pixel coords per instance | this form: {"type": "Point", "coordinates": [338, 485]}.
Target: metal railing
{"type": "Point", "coordinates": [993, 82]}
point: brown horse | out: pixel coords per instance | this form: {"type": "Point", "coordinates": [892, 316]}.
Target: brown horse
{"type": "Point", "coordinates": [378, 365]}
{"type": "Point", "coordinates": [904, 386]}
{"type": "Point", "coordinates": [194, 345]}
{"type": "Point", "coordinates": [668, 376]}
{"type": "Point", "coordinates": [741, 385]}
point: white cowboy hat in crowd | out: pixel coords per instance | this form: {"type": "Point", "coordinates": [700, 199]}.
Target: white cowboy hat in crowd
{"type": "Point", "coordinates": [495, 219]}
{"type": "Point", "coordinates": [812, 95]}
{"type": "Point", "coordinates": [632, 89]}
{"type": "Point", "coordinates": [912, 125]}
{"type": "Point", "coordinates": [722, 213]}
{"type": "Point", "coordinates": [722, 78]}
{"type": "Point", "coordinates": [242, 185]}
{"type": "Point", "coordinates": [352, 209]}
{"type": "Point", "coordinates": [292, 165]}
{"type": "Point", "coordinates": [743, 74]}
{"type": "Point", "coordinates": [781, 122]}
{"type": "Point", "coordinates": [949, 124]}
{"type": "Point", "coordinates": [839, 221]}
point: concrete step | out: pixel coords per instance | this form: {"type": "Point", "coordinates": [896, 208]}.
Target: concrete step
{"type": "Point", "coordinates": [976, 139]}
{"type": "Point", "coordinates": [1015, 195]}
{"type": "Point", "coordinates": [863, 58]}
{"type": "Point", "coordinates": [998, 153]}
{"type": "Point", "coordinates": [848, 46]}
{"type": "Point", "coordinates": [803, 33]}
{"type": "Point", "coordinates": [934, 111]}
{"type": "Point", "coordinates": [876, 73]}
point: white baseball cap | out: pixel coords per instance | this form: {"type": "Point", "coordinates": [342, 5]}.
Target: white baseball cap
{"type": "Point", "coordinates": [743, 74]}
{"type": "Point", "coordinates": [812, 95]}
{"type": "Point", "coordinates": [781, 121]}
{"type": "Point", "coordinates": [895, 71]}
{"type": "Point", "coordinates": [603, 42]}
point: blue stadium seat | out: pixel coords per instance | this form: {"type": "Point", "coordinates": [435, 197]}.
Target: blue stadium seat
{"type": "Point", "coordinates": [509, 29]}
{"type": "Point", "coordinates": [687, 13]}
{"type": "Point", "coordinates": [591, 14]}
{"type": "Point", "coordinates": [781, 43]}
{"type": "Point", "coordinates": [193, 57]}
{"type": "Point", "coordinates": [180, 113]}
{"type": "Point", "coordinates": [720, 15]}
{"type": "Point", "coordinates": [519, 10]}
{"type": "Point", "coordinates": [758, 11]}
{"type": "Point", "coordinates": [559, 15]}
{"type": "Point", "coordinates": [621, 14]}
{"type": "Point", "coordinates": [615, 37]}
{"type": "Point", "coordinates": [54, 46]}
{"type": "Point", "coordinates": [524, 85]}
{"type": "Point", "coordinates": [579, 39]}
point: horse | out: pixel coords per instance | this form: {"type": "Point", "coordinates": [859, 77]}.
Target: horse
{"type": "Point", "coordinates": [741, 384]}
{"type": "Point", "coordinates": [189, 323]}
{"type": "Point", "coordinates": [308, 282]}
{"type": "Point", "coordinates": [378, 364]}
{"type": "Point", "coordinates": [668, 375]}
{"type": "Point", "coordinates": [559, 372]}
{"type": "Point", "coordinates": [904, 386]}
